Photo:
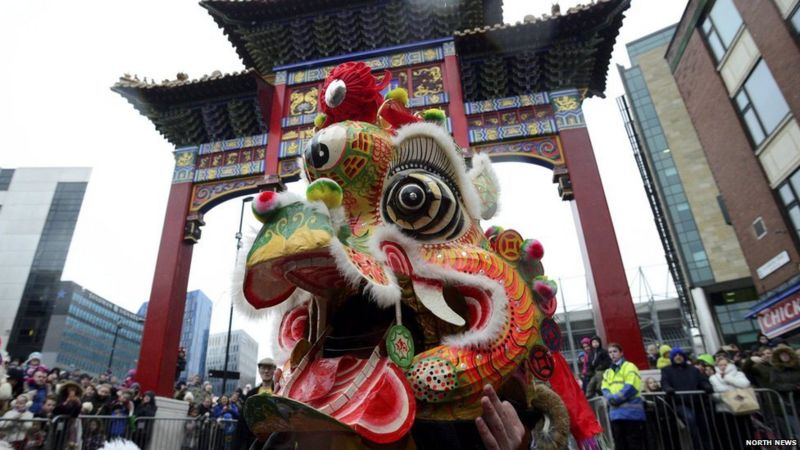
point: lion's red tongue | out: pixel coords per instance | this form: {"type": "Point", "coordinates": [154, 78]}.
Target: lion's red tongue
{"type": "Point", "coordinates": [369, 395]}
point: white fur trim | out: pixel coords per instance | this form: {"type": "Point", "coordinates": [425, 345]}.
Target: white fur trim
{"type": "Point", "coordinates": [240, 303]}
{"type": "Point", "coordinates": [445, 142]}
{"type": "Point", "coordinates": [383, 296]}
{"type": "Point", "coordinates": [286, 198]}
{"type": "Point", "coordinates": [482, 167]}
{"type": "Point", "coordinates": [470, 338]}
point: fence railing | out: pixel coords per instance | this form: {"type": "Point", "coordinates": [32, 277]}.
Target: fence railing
{"type": "Point", "coordinates": [92, 432]}
{"type": "Point", "coordinates": [695, 420]}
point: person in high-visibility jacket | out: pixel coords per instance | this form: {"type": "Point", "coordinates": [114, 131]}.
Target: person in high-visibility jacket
{"type": "Point", "coordinates": [621, 388]}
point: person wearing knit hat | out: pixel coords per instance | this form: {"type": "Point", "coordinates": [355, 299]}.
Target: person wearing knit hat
{"type": "Point", "coordinates": [584, 360]}
{"type": "Point", "coordinates": [681, 376]}
{"type": "Point", "coordinates": [598, 363]}
{"type": "Point", "coordinates": [707, 359]}
{"type": "Point", "coordinates": [663, 360]}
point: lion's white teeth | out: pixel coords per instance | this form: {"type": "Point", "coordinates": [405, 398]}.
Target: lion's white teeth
{"type": "Point", "coordinates": [431, 296]}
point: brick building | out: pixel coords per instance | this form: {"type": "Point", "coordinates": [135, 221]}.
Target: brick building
{"type": "Point", "coordinates": [735, 65]}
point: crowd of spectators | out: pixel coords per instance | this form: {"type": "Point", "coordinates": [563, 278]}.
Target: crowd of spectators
{"type": "Point", "coordinates": [689, 391]}
{"type": "Point", "coordinates": [33, 395]}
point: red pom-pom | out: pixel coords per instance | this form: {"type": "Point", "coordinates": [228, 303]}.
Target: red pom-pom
{"type": "Point", "coordinates": [533, 249]}
{"type": "Point", "coordinates": [544, 289]}
{"type": "Point", "coordinates": [265, 204]}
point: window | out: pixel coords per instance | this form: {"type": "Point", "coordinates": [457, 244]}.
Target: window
{"type": "Point", "coordinates": [759, 228]}
{"type": "Point", "coordinates": [721, 26]}
{"type": "Point", "coordinates": [790, 193]}
{"type": "Point", "coordinates": [5, 178]}
{"type": "Point", "coordinates": [761, 103]}
{"type": "Point", "coordinates": [794, 19]}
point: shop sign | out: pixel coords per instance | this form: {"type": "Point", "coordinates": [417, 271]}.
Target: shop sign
{"type": "Point", "coordinates": [780, 318]}
{"type": "Point", "coordinates": [773, 264]}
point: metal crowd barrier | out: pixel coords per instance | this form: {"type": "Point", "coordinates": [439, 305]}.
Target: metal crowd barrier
{"type": "Point", "coordinates": [31, 434]}
{"type": "Point", "coordinates": [600, 407]}
{"type": "Point", "coordinates": [696, 420]}
{"type": "Point", "coordinates": [92, 432]}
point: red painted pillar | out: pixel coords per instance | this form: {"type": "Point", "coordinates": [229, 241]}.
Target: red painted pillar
{"type": "Point", "coordinates": [452, 79]}
{"type": "Point", "coordinates": [162, 328]}
{"type": "Point", "coordinates": [616, 318]}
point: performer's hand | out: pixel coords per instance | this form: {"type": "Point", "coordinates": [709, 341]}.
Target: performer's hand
{"type": "Point", "coordinates": [499, 426]}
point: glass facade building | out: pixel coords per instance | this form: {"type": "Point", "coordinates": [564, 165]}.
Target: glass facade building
{"type": "Point", "coordinates": [659, 156]}
{"type": "Point", "coordinates": [686, 197]}
{"type": "Point", "coordinates": [194, 332]}
{"type": "Point", "coordinates": [37, 301]}
{"type": "Point", "coordinates": [90, 333]}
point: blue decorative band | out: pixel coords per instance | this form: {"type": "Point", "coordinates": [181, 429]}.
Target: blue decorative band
{"type": "Point", "coordinates": [499, 133]}
{"type": "Point", "coordinates": [497, 104]}
{"type": "Point", "coordinates": [235, 170]}
{"type": "Point", "coordinates": [233, 144]}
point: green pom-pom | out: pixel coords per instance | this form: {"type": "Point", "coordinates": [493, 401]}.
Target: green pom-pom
{"type": "Point", "coordinates": [319, 121]}
{"type": "Point", "coordinates": [325, 190]}
{"type": "Point", "coordinates": [399, 95]}
{"type": "Point", "coordinates": [434, 115]}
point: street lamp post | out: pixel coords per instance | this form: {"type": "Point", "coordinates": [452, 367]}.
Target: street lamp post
{"type": "Point", "coordinates": [114, 344]}
{"type": "Point", "coordinates": [230, 316]}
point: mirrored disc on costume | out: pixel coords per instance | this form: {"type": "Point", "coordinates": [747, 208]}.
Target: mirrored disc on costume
{"type": "Point", "coordinates": [400, 346]}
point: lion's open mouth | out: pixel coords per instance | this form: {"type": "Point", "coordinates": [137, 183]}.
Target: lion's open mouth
{"type": "Point", "coordinates": [339, 364]}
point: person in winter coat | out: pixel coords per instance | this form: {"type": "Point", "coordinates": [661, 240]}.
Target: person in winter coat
{"type": "Point", "coordinates": [758, 368]}
{"type": "Point", "coordinates": [267, 373]}
{"type": "Point", "coordinates": [31, 365]}
{"type": "Point", "coordinates": [621, 388]}
{"type": "Point", "coordinates": [663, 360]}
{"type": "Point", "coordinates": [599, 362]}
{"type": "Point", "coordinates": [38, 389]}
{"type": "Point", "coordinates": [224, 406]}
{"type": "Point", "coordinates": [68, 403]}
{"type": "Point", "coordinates": [144, 413]}
{"type": "Point", "coordinates": [728, 378]}
{"type": "Point", "coordinates": [693, 409]}
{"type": "Point", "coordinates": [652, 355]}
{"type": "Point", "coordinates": [585, 359]}
{"type": "Point", "coordinates": [785, 378]}
{"type": "Point", "coordinates": [15, 429]}
{"type": "Point", "coordinates": [121, 408]}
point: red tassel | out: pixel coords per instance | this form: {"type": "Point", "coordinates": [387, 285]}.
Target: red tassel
{"type": "Point", "coordinates": [583, 424]}
{"type": "Point", "coordinates": [398, 115]}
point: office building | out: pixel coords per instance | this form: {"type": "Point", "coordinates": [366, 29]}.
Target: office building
{"type": "Point", "coordinates": [90, 333]}
{"type": "Point", "coordinates": [38, 211]}
{"type": "Point", "coordinates": [735, 64]}
{"type": "Point", "coordinates": [700, 244]}
{"type": "Point", "coordinates": [194, 332]}
{"type": "Point", "coordinates": [242, 358]}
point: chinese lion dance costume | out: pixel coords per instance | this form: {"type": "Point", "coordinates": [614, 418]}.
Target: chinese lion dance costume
{"type": "Point", "coordinates": [396, 308]}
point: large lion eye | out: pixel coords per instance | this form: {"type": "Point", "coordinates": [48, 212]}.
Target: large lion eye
{"type": "Point", "coordinates": [326, 148]}
{"type": "Point", "coordinates": [423, 206]}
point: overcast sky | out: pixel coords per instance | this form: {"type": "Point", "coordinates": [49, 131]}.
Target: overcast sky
{"type": "Point", "coordinates": [56, 109]}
